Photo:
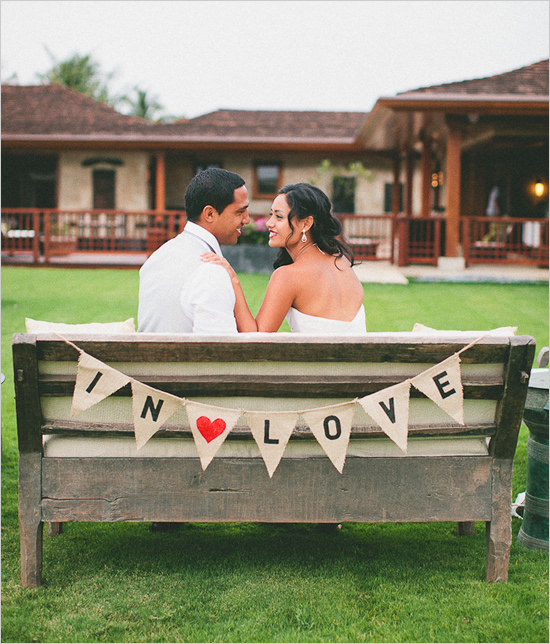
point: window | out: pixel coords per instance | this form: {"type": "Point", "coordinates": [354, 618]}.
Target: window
{"type": "Point", "coordinates": [343, 194]}
{"type": "Point", "coordinates": [388, 197]}
{"type": "Point", "coordinates": [104, 189]}
{"type": "Point", "coordinates": [267, 180]}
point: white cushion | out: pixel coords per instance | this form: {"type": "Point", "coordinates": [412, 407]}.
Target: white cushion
{"type": "Point", "coordinates": [38, 326]}
{"type": "Point", "coordinates": [501, 331]}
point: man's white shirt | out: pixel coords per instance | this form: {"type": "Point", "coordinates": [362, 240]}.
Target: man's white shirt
{"type": "Point", "coordinates": [179, 293]}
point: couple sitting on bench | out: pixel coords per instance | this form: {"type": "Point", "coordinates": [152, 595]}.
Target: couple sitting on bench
{"type": "Point", "coordinates": [187, 286]}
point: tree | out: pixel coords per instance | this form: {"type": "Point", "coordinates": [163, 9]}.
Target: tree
{"type": "Point", "coordinates": [82, 74]}
{"type": "Point", "coordinates": [143, 105]}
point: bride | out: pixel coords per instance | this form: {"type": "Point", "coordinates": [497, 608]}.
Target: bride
{"type": "Point", "coordinates": [313, 285]}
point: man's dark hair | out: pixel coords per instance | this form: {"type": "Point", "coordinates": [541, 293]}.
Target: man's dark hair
{"type": "Point", "coordinates": [211, 187]}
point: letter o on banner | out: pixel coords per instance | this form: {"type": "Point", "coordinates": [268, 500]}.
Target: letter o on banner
{"type": "Point", "coordinates": [338, 429]}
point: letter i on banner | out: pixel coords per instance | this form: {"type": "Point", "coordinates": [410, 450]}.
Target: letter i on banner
{"type": "Point", "coordinates": [210, 427]}
{"type": "Point", "coordinates": [331, 426]}
{"type": "Point", "coordinates": [94, 381]}
{"type": "Point", "coordinates": [151, 409]}
{"type": "Point", "coordinates": [389, 408]}
{"type": "Point", "coordinates": [271, 431]}
{"type": "Point", "coordinates": [442, 383]}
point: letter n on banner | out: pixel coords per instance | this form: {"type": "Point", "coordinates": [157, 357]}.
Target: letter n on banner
{"type": "Point", "coordinates": [442, 383]}
{"type": "Point", "coordinates": [331, 426]}
{"type": "Point", "coordinates": [151, 408]}
{"type": "Point", "coordinates": [94, 381]}
{"type": "Point", "coordinates": [271, 431]}
{"type": "Point", "coordinates": [390, 409]}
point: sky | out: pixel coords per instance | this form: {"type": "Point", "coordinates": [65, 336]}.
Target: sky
{"type": "Point", "coordinates": [200, 56]}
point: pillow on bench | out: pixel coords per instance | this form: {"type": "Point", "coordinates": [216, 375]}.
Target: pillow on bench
{"type": "Point", "coordinates": [503, 330]}
{"type": "Point", "coordinates": [38, 326]}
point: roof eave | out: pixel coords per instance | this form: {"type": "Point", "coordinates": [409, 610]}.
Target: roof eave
{"type": "Point", "coordinates": [163, 142]}
{"type": "Point", "coordinates": [460, 103]}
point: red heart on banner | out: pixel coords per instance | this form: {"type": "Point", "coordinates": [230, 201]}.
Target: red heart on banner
{"type": "Point", "coordinates": [210, 429]}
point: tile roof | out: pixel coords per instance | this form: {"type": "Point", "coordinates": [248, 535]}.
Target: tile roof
{"type": "Point", "coordinates": [272, 124]}
{"type": "Point", "coordinates": [530, 81]}
{"type": "Point", "coordinates": [55, 111]}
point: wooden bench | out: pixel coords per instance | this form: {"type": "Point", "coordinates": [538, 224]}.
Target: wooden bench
{"type": "Point", "coordinates": [87, 468]}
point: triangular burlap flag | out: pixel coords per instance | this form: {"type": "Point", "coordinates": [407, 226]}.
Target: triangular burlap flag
{"type": "Point", "coordinates": [390, 409]}
{"type": "Point", "coordinates": [210, 427]}
{"type": "Point", "coordinates": [331, 426]}
{"type": "Point", "coordinates": [94, 381]}
{"type": "Point", "coordinates": [442, 383]}
{"type": "Point", "coordinates": [271, 431]}
{"type": "Point", "coordinates": [151, 408]}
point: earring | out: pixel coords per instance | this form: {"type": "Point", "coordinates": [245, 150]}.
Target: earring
{"type": "Point", "coordinates": [304, 238]}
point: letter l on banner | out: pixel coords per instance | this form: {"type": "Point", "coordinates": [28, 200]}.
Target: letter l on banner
{"type": "Point", "coordinates": [271, 431]}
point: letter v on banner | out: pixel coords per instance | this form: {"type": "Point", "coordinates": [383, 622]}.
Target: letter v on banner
{"type": "Point", "coordinates": [389, 408]}
{"type": "Point", "coordinates": [94, 381]}
{"type": "Point", "coordinates": [442, 383]}
{"type": "Point", "coordinates": [151, 408]}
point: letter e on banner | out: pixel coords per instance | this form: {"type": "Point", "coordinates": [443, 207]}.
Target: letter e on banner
{"type": "Point", "coordinates": [442, 383]}
{"type": "Point", "coordinates": [331, 426]}
{"type": "Point", "coordinates": [94, 381]}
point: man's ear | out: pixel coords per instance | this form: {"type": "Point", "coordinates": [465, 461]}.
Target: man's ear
{"type": "Point", "coordinates": [208, 215]}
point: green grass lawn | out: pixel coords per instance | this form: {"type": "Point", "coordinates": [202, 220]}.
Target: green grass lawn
{"type": "Point", "coordinates": [263, 583]}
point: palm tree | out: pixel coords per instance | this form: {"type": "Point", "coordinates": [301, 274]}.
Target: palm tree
{"type": "Point", "coordinates": [82, 74]}
{"type": "Point", "coordinates": [143, 104]}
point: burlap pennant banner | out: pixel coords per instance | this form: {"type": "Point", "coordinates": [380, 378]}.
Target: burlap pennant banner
{"type": "Point", "coordinates": [94, 381]}
{"type": "Point", "coordinates": [151, 408]}
{"type": "Point", "coordinates": [271, 431]}
{"type": "Point", "coordinates": [389, 408]}
{"type": "Point", "coordinates": [443, 384]}
{"type": "Point", "coordinates": [210, 426]}
{"type": "Point", "coordinates": [331, 426]}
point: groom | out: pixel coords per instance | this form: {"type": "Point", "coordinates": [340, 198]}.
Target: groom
{"type": "Point", "coordinates": [179, 293]}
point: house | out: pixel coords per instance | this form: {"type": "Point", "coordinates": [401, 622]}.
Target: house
{"type": "Point", "coordinates": [428, 152]}
{"type": "Point", "coordinates": [471, 136]}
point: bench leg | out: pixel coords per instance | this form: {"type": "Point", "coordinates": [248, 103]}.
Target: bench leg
{"type": "Point", "coordinates": [30, 523]}
{"type": "Point", "coordinates": [54, 527]}
{"type": "Point", "coordinates": [465, 528]}
{"type": "Point", "coordinates": [499, 529]}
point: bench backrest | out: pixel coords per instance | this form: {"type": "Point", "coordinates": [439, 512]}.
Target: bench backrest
{"type": "Point", "coordinates": [272, 372]}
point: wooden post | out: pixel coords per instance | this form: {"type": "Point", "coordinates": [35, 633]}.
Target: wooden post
{"type": "Point", "coordinates": [452, 234]}
{"type": "Point", "coordinates": [36, 238]}
{"type": "Point", "coordinates": [160, 183]}
{"type": "Point", "coordinates": [30, 460]}
{"type": "Point", "coordinates": [396, 187]}
{"type": "Point", "coordinates": [409, 172]}
{"type": "Point", "coordinates": [426, 178]}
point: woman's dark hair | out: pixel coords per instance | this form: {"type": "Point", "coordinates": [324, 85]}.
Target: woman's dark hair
{"type": "Point", "coordinates": [211, 187]}
{"type": "Point", "coordinates": [306, 200]}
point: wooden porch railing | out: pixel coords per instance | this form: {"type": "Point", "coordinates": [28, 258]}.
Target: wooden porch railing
{"type": "Point", "coordinates": [505, 240]}
{"type": "Point", "coordinates": [42, 234]}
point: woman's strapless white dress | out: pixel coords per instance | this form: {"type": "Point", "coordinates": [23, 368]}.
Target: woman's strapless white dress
{"type": "Point", "coordinates": [312, 325]}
